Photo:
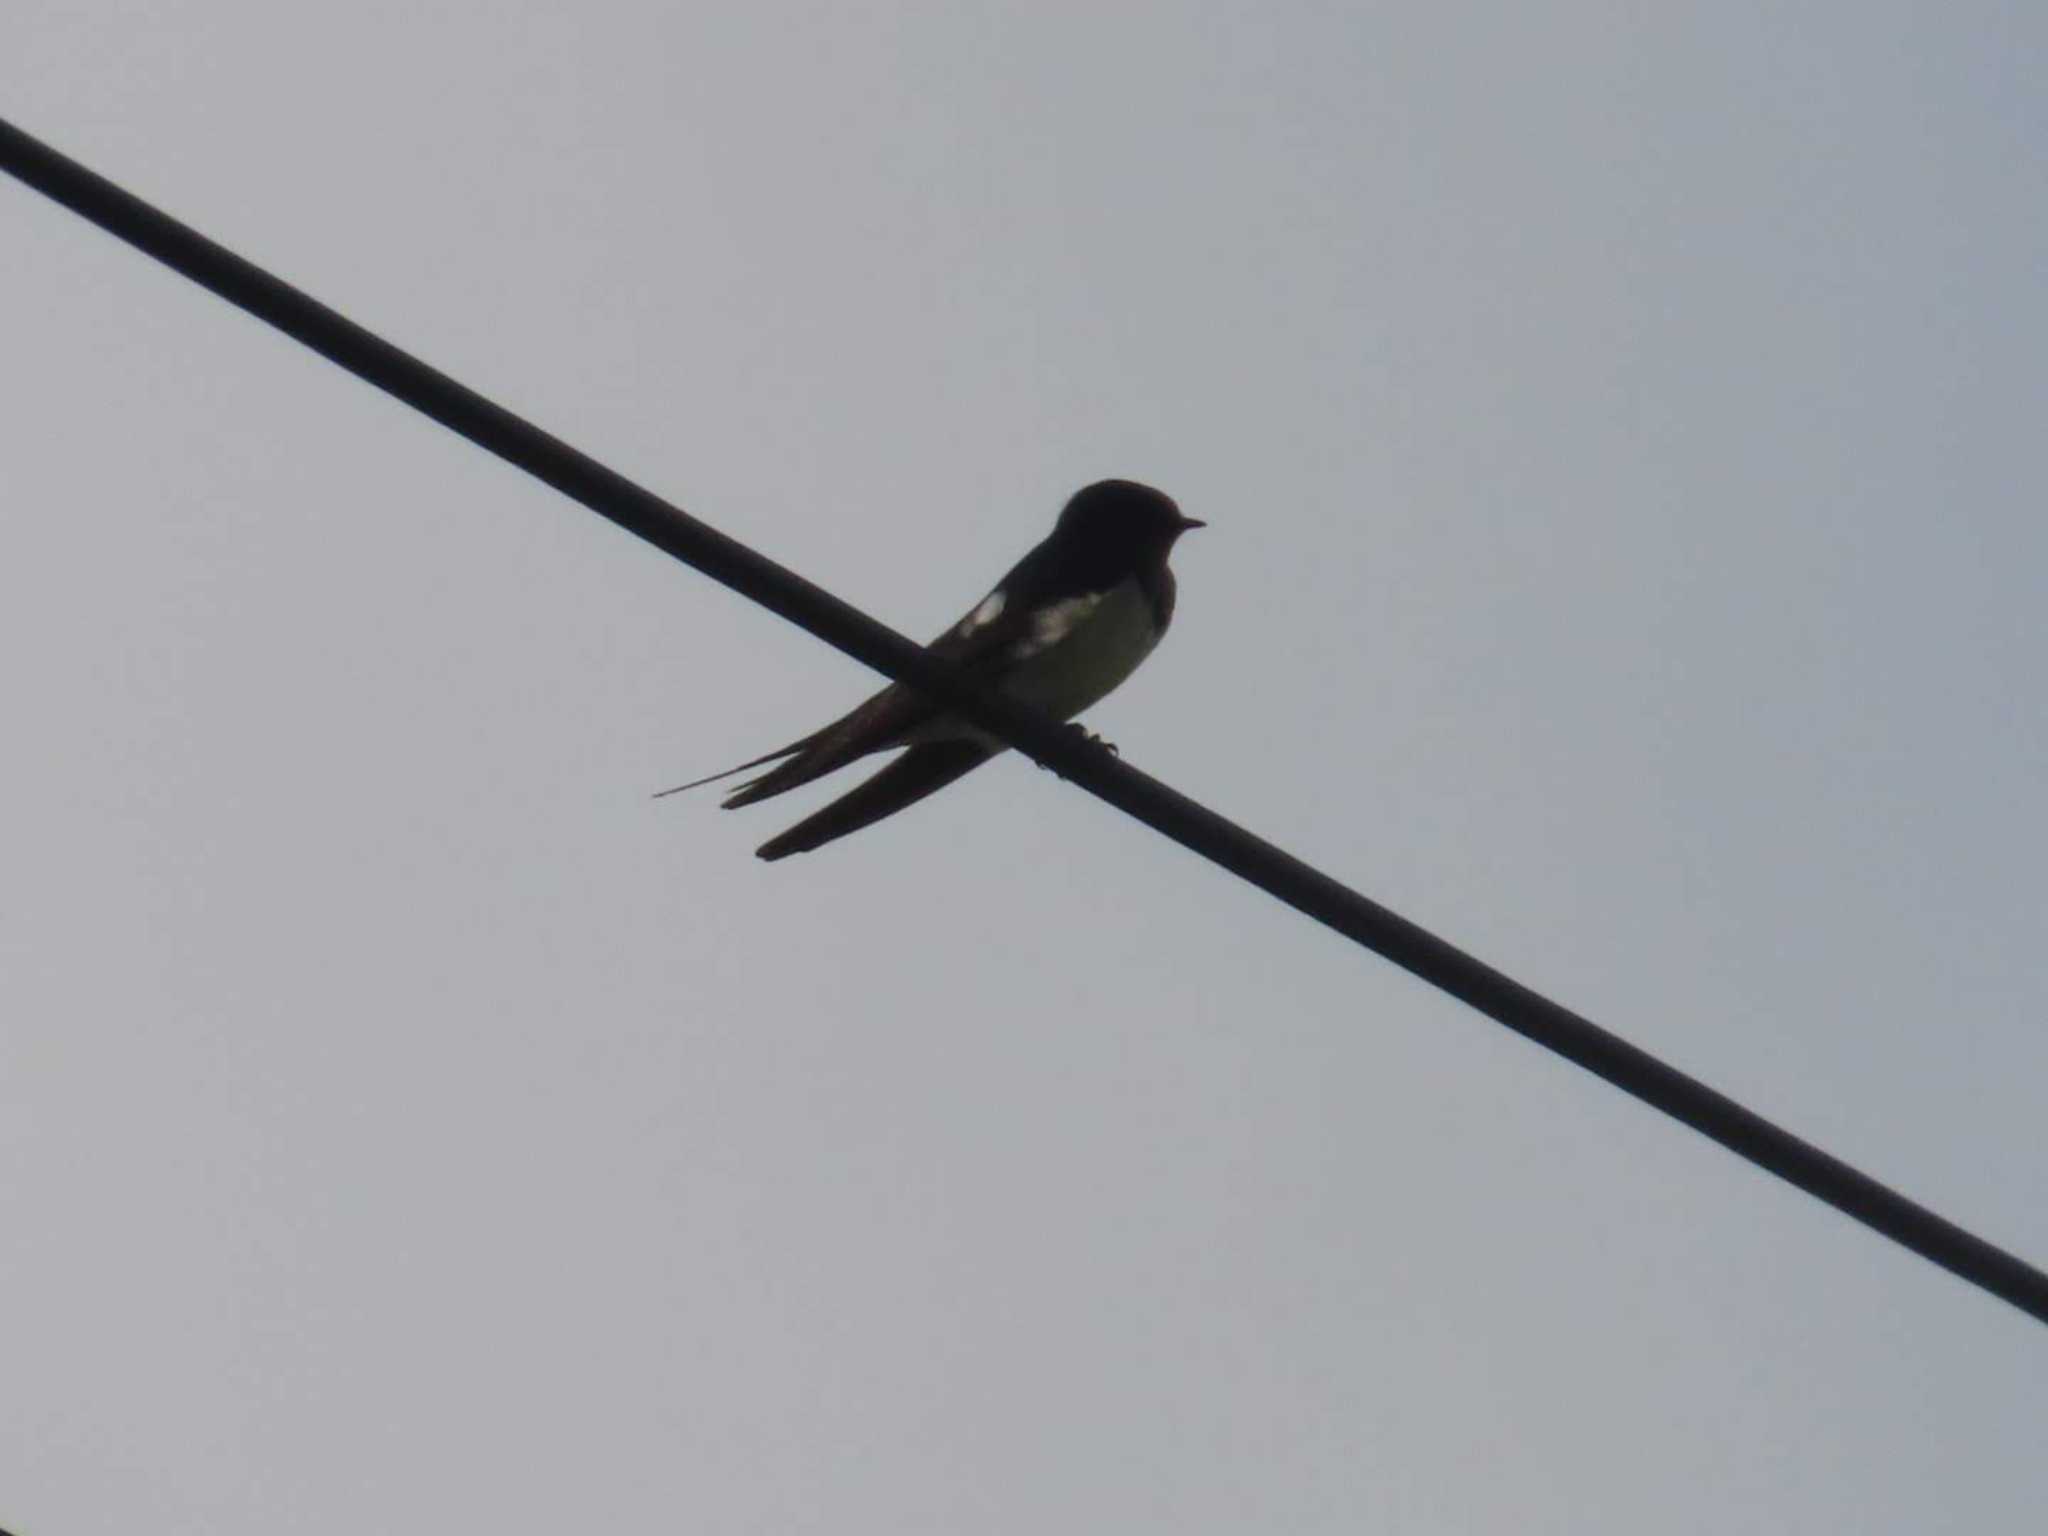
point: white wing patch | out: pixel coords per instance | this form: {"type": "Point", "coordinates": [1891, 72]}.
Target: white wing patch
{"type": "Point", "coordinates": [1054, 622]}
{"type": "Point", "coordinates": [990, 610]}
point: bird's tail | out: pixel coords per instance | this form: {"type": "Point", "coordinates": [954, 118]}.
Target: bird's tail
{"type": "Point", "coordinates": [924, 768]}
{"type": "Point", "coordinates": [713, 778]}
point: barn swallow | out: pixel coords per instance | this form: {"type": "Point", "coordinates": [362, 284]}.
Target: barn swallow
{"type": "Point", "coordinates": [1069, 622]}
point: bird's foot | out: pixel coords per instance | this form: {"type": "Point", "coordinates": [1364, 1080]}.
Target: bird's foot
{"type": "Point", "coordinates": [1075, 728]}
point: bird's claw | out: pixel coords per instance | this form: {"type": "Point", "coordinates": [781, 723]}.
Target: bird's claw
{"type": "Point", "coordinates": [1075, 728]}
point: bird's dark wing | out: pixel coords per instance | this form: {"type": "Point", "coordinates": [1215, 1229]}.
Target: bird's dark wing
{"type": "Point", "coordinates": [981, 641]}
{"type": "Point", "coordinates": [929, 766]}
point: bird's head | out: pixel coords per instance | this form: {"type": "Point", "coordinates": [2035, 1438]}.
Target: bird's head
{"type": "Point", "coordinates": [1123, 515]}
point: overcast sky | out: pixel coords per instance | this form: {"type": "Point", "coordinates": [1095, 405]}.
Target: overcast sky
{"type": "Point", "coordinates": [1620, 430]}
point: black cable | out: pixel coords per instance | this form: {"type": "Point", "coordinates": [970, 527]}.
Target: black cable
{"type": "Point", "coordinates": [1222, 842]}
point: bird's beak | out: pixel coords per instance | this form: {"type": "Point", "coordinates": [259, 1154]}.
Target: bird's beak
{"type": "Point", "coordinates": [1187, 523]}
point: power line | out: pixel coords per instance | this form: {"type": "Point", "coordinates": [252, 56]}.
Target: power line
{"type": "Point", "coordinates": [839, 624]}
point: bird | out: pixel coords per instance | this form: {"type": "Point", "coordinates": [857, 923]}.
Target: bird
{"type": "Point", "coordinates": [1068, 623]}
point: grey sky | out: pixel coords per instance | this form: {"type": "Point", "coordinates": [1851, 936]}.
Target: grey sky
{"type": "Point", "coordinates": [1619, 428]}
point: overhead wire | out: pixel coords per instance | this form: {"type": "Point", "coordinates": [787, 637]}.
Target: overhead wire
{"type": "Point", "coordinates": [1085, 763]}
